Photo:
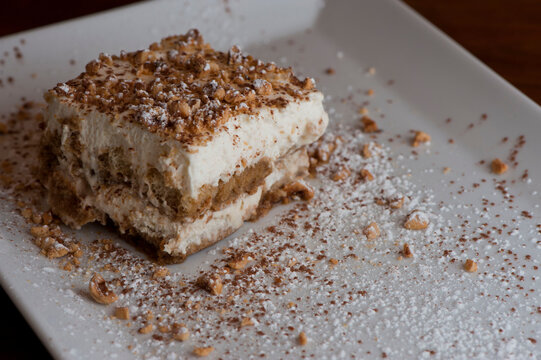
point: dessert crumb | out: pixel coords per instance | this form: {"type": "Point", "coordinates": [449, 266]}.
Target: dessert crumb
{"type": "Point", "coordinates": [498, 167]}
{"type": "Point", "coordinates": [420, 137]}
{"type": "Point", "coordinates": [203, 351]}
{"type": "Point", "coordinates": [303, 340]}
{"type": "Point", "coordinates": [470, 266]}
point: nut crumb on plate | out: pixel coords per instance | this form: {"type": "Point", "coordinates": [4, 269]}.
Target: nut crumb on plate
{"type": "Point", "coordinates": [203, 351]}
{"type": "Point", "coordinates": [416, 220]}
{"type": "Point", "coordinates": [420, 137]}
{"type": "Point", "coordinates": [470, 266]}
{"type": "Point", "coordinates": [100, 292]}
{"type": "Point", "coordinates": [498, 167]}
{"type": "Point", "coordinates": [372, 231]}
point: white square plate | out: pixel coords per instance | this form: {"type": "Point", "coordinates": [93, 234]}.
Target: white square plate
{"type": "Point", "coordinates": [429, 307]}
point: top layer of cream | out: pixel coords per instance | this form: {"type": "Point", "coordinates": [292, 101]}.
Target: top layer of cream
{"type": "Point", "coordinates": [245, 140]}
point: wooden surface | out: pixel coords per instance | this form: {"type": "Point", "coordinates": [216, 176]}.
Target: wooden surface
{"type": "Point", "coordinates": [504, 34]}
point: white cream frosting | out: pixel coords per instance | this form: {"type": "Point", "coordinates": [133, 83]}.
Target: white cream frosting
{"type": "Point", "coordinates": [246, 140]}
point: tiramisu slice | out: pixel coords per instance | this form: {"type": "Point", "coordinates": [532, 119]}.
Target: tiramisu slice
{"type": "Point", "coordinates": [177, 144]}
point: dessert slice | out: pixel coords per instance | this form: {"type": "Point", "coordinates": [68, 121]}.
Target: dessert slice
{"type": "Point", "coordinates": [177, 144]}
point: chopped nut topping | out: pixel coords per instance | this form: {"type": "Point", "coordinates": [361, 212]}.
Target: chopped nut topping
{"type": "Point", "coordinates": [160, 272]}
{"type": "Point", "coordinates": [370, 125]}
{"type": "Point", "coordinates": [406, 251]}
{"type": "Point", "coordinates": [420, 137]}
{"type": "Point", "coordinates": [303, 340]}
{"type": "Point", "coordinates": [416, 220]}
{"type": "Point", "coordinates": [396, 203]}
{"type": "Point", "coordinates": [498, 166]}
{"type": "Point", "coordinates": [40, 231]}
{"type": "Point", "coordinates": [122, 313]}
{"type": "Point", "coordinates": [203, 351]}
{"type": "Point", "coordinates": [239, 262]}
{"type": "Point", "coordinates": [333, 261]}
{"type": "Point", "coordinates": [446, 170]}
{"type": "Point", "coordinates": [211, 283]}
{"type": "Point", "coordinates": [341, 174]}
{"type": "Point", "coordinates": [470, 266]}
{"type": "Point", "coordinates": [146, 329]}
{"type": "Point", "coordinates": [182, 335]}
{"type": "Point", "coordinates": [372, 231]}
{"type": "Point", "coordinates": [366, 175]}
{"type": "Point", "coordinates": [366, 151]}
{"type": "Point", "coordinates": [246, 322]}
{"type": "Point", "coordinates": [99, 290]}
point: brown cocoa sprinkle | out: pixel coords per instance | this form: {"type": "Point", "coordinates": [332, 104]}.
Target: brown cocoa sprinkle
{"type": "Point", "coordinates": [330, 71]}
{"type": "Point", "coordinates": [406, 251]}
{"type": "Point", "coordinates": [369, 125]}
{"type": "Point", "coordinates": [146, 329]}
{"type": "Point", "coordinates": [498, 167]}
{"type": "Point", "coordinates": [122, 313]}
{"type": "Point", "coordinates": [211, 283]}
{"type": "Point", "coordinates": [303, 340]}
{"type": "Point", "coordinates": [470, 266]}
{"type": "Point", "coordinates": [203, 351]}
{"type": "Point", "coordinates": [99, 291]}
{"type": "Point", "coordinates": [371, 231]}
{"type": "Point", "coordinates": [420, 137]}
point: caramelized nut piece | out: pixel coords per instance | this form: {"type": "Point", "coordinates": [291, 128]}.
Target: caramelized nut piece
{"type": "Point", "coordinates": [371, 231]}
{"type": "Point", "coordinates": [498, 166]}
{"type": "Point", "coordinates": [93, 67]}
{"type": "Point", "coordinates": [470, 266]}
{"type": "Point", "coordinates": [370, 125]}
{"type": "Point", "coordinates": [239, 262]}
{"type": "Point", "coordinates": [366, 151]}
{"type": "Point", "coordinates": [333, 261]}
{"type": "Point", "coordinates": [146, 329]}
{"type": "Point", "coordinates": [420, 137]}
{"type": "Point", "coordinates": [308, 84]}
{"type": "Point", "coordinates": [303, 340]}
{"type": "Point", "coordinates": [39, 231]}
{"type": "Point", "coordinates": [396, 203]}
{"type": "Point", "coordinates": [341, 174]}
{"type": "Point", "coordinates": [99, 290]}
{"type": "Point", "coordinates": [211, 283]}
{"type": "Point", "coordinates": [246, 322]}
{"type": "Point", "coordinates": [366, 175]}
{"type": "Point", "coordinates": [160, 272]}
{"type": "Point", "coordinates": [417, 220]}
{"type": "Point", "coordinates": [299, 187]}
{"type": "Point", "coordinates": [183, 335]}
{"type": "Point", "coordinates": [406, 251]}
{"type": "Point", "coordinates": [262, 87]}
{"type": "Point", "coordinates": [122, 313]}
{"type": "Point", "coordinates": [203, 351]}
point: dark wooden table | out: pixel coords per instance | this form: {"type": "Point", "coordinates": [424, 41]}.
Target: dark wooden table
{"type": "Point", "coordinates": [506, 35]}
